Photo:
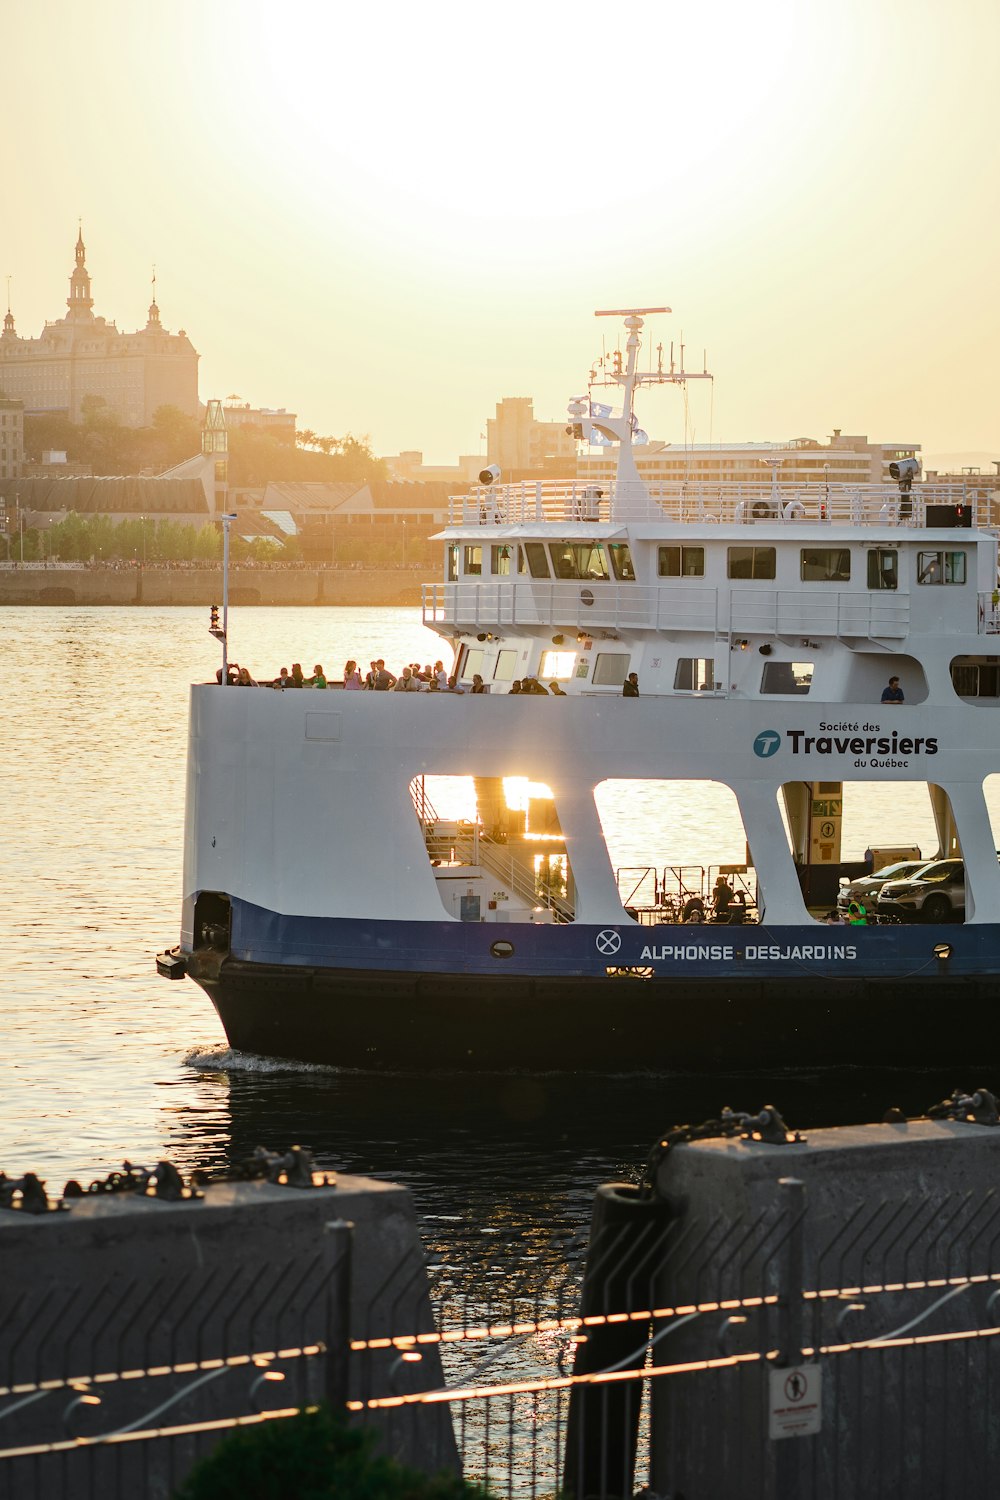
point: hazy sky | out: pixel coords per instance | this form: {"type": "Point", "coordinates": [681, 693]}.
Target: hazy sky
{"type": "Point", "coordinates": [387, 216]}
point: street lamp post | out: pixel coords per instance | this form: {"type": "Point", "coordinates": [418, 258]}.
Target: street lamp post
{"type": "Point", "coordinates": [227, 520]}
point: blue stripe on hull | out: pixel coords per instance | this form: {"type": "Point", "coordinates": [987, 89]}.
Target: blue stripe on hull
{"type": "Point", "coordinates": [578, 949]}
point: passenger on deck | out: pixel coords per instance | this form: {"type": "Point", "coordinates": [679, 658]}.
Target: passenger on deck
{"type": "Point", "coordinates": [692, 904]}
{"type": "Point", "coordinates": [893, 693]}
{"type": "Point", "coordinates": [440, 674]}
{"type": "Point", "coordinates": [478, 685]}
{"type": "Point", "coordinates": [453, 685]}
{"type": "Point", "coordinates": [532, 685]}
{"type": "Point", "coordinates": [379, 679]}
{"type": "Point", "coordinates": [296, 680]}
{"type": "Point", "coordinates": [318, 678]}
{"type": "Point", "coordinates": [281, 681]}
{"type": "Point", "coordinates": [630, 688]}
{"type": "Point", "coordinates": [722, 896]}
{"type": "Point", "coordinates": [515, 687]}
{"type": "Point", "coordinates": [244, 679]}
{"type": "Point", "coordinates": [406, 682]}
{"type": "Point", "coordinates": [697, 916]}
{"type": "Point", "coordinates": [557, 691]}
{"type": "Point", "coordinates": [352, 678]}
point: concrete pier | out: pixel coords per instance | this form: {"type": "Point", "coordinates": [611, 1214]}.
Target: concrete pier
{"type": "Point", "coordinates": [835, 1303]}
{"type": "Point", "coordinates": [126, 1314]}
{"type": "Point", "coordinates": [203, 586]}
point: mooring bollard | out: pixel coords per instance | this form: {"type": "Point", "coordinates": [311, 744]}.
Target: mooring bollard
{"type": "Point", "coordinates": [626, 1244]}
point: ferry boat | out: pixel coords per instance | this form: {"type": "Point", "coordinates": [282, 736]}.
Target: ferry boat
{"type": "Point", "coordinates": [333, 916]}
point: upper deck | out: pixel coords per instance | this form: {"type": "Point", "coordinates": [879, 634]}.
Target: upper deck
{"type": "Point", "coordinates": [698, 504]}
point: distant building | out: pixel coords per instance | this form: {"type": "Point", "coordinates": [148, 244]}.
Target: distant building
{"type": "Point", "coordinates": [516, 442]}
{"type": "Point", "coordinates": [841, 460]}
{"type": "Point", "coordinates": [80, 356]}
{"type": "Point", "coordinates": [276, 422]}
{"type": "Point", "coordinates": [410, 465]}
{"type": "Point", "coordinates": [11, 438]}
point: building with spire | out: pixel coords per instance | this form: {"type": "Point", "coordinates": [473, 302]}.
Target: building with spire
{"type": "Point", "coordinates": [82, 355]}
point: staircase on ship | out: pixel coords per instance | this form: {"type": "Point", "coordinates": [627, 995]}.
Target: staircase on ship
{"type": "Point", "coordinates": [499, 841]}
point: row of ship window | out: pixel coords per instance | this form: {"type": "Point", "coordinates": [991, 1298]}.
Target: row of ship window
{"type": "Point", "coordinates": [696, 674]}
{"type": "Point", "coordinates": [596, 563]}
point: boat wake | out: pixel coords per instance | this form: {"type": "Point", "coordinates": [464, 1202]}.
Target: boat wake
{"type": "Point", "coordinates": [223, 1059]}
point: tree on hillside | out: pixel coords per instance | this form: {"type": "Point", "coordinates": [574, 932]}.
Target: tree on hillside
{"type": "Point", "coordinates": [46, 434]}
{"type": "Point", "coordinates": [176, 435]}
{"type": "Point", "coordinates": [255, 458]}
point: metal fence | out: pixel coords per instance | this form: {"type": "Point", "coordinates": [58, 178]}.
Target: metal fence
{"type": "Point", "coordinates": [780, 1348]}
{"type": "Point", "coordinates": [771, 1354]}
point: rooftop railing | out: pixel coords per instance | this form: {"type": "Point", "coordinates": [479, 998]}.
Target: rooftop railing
{"type": "Point", "coordinates": [587, 608]}
{"type": "Point", "coordinates": [701, 503]}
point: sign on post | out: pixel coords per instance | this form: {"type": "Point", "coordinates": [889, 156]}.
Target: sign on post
{"type": "Point", "coordinates": [795, 1403]}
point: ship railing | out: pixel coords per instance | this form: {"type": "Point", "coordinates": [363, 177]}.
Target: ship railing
{"type": "Point", "coordinates": [587, 608]}
{"type": "Point", "coordinates": [696, 502]}
{"type": "Point", "coordinates": [989, 613]}
{"type": "Point", "coordinates": [463, 842]}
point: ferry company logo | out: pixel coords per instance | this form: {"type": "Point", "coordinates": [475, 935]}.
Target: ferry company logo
{"type": "Point", "coordinates": [868, 743]}
{"type": "Point", "coordinates": [766, 743]}
{"type": "Point", "coordinates": [608, 941]}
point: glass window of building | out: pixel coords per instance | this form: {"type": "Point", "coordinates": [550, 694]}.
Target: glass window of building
{"type": "Point", "coordinates": [824, 565]}
{"type": "Point", "coordinates": [787, 678]}
{"type": "Point", "coordinates": [940, 567]}
{"type": "Point", "coordinates": [610, 668]}
{"type": "Point", "coordinates": [621, 562]}
{"type": "Point", "coordinates": [883, 569]}
{"type": "Point", "coordinates": [695, 674]}
{"type": "Point", "coordinates": [538, 562]}
{"type": "Point", "coordinates": [473, 565]}
{"type": "Point", "coordinates": [751, 562]}
{"type": "Point", "coordinates": [680, 562]}
{"type": "Point", "coordinates": [472, 663]}
{"type": "Point", "coordinates": [452, 560]}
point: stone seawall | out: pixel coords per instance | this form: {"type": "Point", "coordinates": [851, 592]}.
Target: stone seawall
{"type": "Point", "coordinates": [301, 586]}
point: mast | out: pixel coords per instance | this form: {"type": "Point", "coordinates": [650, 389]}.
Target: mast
{"type": "Point", "coordinates": [630, 490]}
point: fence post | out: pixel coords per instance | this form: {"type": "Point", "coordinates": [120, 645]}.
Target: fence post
{"type": "Point", "coordinates": [787, 1453]}
{"type": "Point", "coordinates": [624, 1256]}
{"type": "Point", "coordinates": [338, 1237]}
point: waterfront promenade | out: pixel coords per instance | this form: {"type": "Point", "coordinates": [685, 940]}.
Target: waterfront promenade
{"type": "Point", "coordinates": [294, 584]}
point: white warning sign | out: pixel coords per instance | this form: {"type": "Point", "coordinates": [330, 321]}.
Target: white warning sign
{"type": "Point", "coordinates": [796, 1401]}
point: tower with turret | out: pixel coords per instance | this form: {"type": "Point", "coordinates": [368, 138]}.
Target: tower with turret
{"type": "Point", "coordinates": [82, 355]}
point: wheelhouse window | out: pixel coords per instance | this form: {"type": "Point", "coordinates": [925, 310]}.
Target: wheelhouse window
{"type": "Point", "coordinates": [451, 556]}
{"type": "Point", "coordinates": [621, 562]}
{"type": "Point", "coordinates": [471, 664]}
{"type": "Point", "coordinates": [538, 561]}
{"type": "Point", "coordinates": [940, 567]}
{"type": "Point", "coordinates": [751, 562]}
{"type": "Point", "coordinates": [883, 569]}
{"type": "Point", "coordinates": [473, 562]}
{"type": "Point", "coordinates": [500, 560]}
{"type": "Point", "coordinates": [573, 560]}
{"type": "Point", "coordinates": [680, 562]}
{"type": "Point", "coordinates": [695, 674]}
{"type": "Point", "coordinates": [824, 565]}
{"type": "Point", "coordinates": [504, 669]}
{"type": "Point", "coordinates": [556, 666]}
{"type": "Point", "coordinates": [610, 668]}
{"type": "Point", "coordinates": [787, 678]}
